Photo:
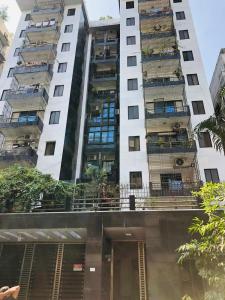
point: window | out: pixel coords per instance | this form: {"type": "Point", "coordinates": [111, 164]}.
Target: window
{"type": "Point", "coordinates": [28, 17]}
{"type": "Point", "coordinates": [133, 112]}
{"type": "Point", "coordinates": [4, 93]}
{"type": "Point", "coordinates": [58, 92]}
{"type": "Point", "coordinates": [188, 55]}
{"type": "Point", "coordinates": [16, 52]}
{"type": "Point", "coordinates": [68, 28]}
{"type": "Point", "coordinates": [50, 148]}
{"type": "Point", "coordinates": [130, 21]}
{"type": "Point", "coordinates": [204, 140]}
{"type": "Point", "coordinates": [65, 47]}
{"type": "Point", "coordinates": [184, 34]}
{"type": "Point", "coordinates": [101, 135]}
{"type": "Point", "coordinates": [134, 143]}
{"type": "Point", "coordinates": [131, 61]}
{"type": "Point", "coordinates": [131, 40]}
{"type": "Point", "coordinates": [212, 175]}
{"type": "Point", "coordinates": [62, 67]}
{"type": "Point", "coordinates": [198, 107]}
{"type": "Point", "coordinates": [192, 79]}
{"type": "Point", "coordinates": [180, 15]}
{"type": "Point", "coordinates": [129, 4]}
{"type": "Point", "coordinates": [10, 73]}
{"type": "Point", "coordinates": [71, 12]}
{"type": "Point", "coordinates": [132, 84]}
{"type": "Point", "coordinates": [136, 180]}
{"type": "Point", "coordinates": [177, 1]}
{"type": "Point", "coordinates": [54, 117]}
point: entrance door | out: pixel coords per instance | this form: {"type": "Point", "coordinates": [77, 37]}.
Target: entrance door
{"type": "Point", "coordinates": [171, 183]}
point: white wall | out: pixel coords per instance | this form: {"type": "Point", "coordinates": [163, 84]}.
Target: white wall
{"type": "Point", "coordinates": [208, 158]}
{"type": "Point", "coordinates": [131, 161]}
{"type": "Point", "coordinates": [52, 164]}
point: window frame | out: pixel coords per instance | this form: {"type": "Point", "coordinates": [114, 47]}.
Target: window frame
{"type": "Point", "coordinates": [210, 171]}
{"type": "Point", "coordinates": [132, 84]}
{"type": "Point", "coordinates": [71, 12]}
{"type": "Point", "coordinates": [204, 140]}
{"type": "Point", "coordinates": [132, 61]}
{"type": "Point", "coordinates": [54, 117]}
{"type": "Point", "coordinates": [136, 142]}
{"type": "Point", "coordinates": [61, 88]}
{"type": "Point", "coordinates": [50, 152]}
{"type": "Point", "coordinates": [131, 40]}
{"type": "Point", "coordinates": [197, 108]}
{"type": "Point", "coordinates": [134, 113]}
{"type": "Point", "coordinates": [68, 26]}
{"type": "Point", "coordinates": [130, 21]}
{"type": "Point", "coordinates": [62, 67]}
{"type": "Point", "coordinates": [135, 185]}
{"type": "Point", "coordinates": [129, 3]}
{"type": "Point", "coordinates": [65, 45]}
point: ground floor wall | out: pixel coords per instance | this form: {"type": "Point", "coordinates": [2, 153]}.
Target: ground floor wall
{"type": "Point", "coordinates": [130, 255]}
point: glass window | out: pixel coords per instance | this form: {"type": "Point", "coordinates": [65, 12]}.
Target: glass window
{"type": "Point", "coordinates": [4, 93]}
{"type": "Point", "coordinates": [22, 33]}
{"type": "Point", "coordinates": [184, 34]}
{"type": "Point", "coordinates": [11, 72]}
{"type": "Point", "coordinates": [28, 17]}
{"type": "Point", "coordinates": [65, 47]}
{"type": "Point", "coordinates": [204, 140]}
{"type": "Point", "coordinates": [62, 67]}
{"type": "Point", "coordinates": [16, 52]}
{"type": "Point", "coordinates": [188, 55]}
{"type": "Point", "coordinates": [212, 175]}
{"type": "Point", "coordinates": [129, 4]}
{"type": "Point", "coordinates": [101, 135]}
{"type": "Point", "coordinates": [136, 180]}
{"type": "Point", "coordinates": [68, 28]}
{"type": "Point", "coordinates": [177, 1]}
{"type": "Point", "coordinates": [131, 40]}
{"type": "Point", "coordinates": [132, 84]}
{"type": "Point", "coordinates": [134, 143]}
{"type": "Point", "coordinates": [71, 12]}
{"type": "Point", "coordinates": [180, 15]}
{"type": "Point", "coordinates": [198, 107]}
{"type": "Point", "coordinates": [133, 112]}
{"type": "Point", "coordinates": [50, 148]}
{"type": "Point", "coordinates": [58, 92]}
{"type": "Point", "coordinates": [192, 79]}
{"type": "Point", "coordinates": [54, 117]}
{"type": "Point", "coordinates": [131, 61]}
{"type": "Point", "coordinates": [130, 21]}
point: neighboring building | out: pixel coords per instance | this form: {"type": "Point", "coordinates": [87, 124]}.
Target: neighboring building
{"type": "Point", "coordinates": [218, 79]}
{"type": "Point", "coordinates": [5, 41]}
{"type": "Point", "coordinates": [122, 95]}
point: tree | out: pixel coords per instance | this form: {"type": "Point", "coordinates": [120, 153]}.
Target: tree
{"type": "Point", "coordinates": [207, 248]}
{"type": "Point", "coordinates": [215, 124]}
{"type": "Point", "coordinates": [4, 13]}
{"type": "Point", "coordinates": [23, 189]}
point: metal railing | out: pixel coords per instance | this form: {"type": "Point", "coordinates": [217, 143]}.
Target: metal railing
{"type": "Point", "coordinates": [158, 14]}
{"type": "Point", "coordinates": [163, 55]}
{"type": "Point", "coordinates": [33, 68]}
{"type": "Point", "coordinates": [174, 188]}
{"type": "Point", "coordinates": [26, 93]}
{"type": "Point", "coordinates": [105, 74]}
{"type": "Point", "coordinates": [18, 154]}
{"type": "Point", "coordinates": [169, 81]}
{"type": "Point", "coordinates": [171, 147]}
{"type": "Point", "coordinates": [99, 58]}
{"type": "Point", "coordinates": [170, 111]}
{"type": "Point", "coordinates": [22, 121]}
{"type": "Point", "coordinates": [156, 35]}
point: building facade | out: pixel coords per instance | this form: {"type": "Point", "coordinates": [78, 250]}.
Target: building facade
{"type": "Point", "coordinates": [218, 79]}
{"type": "Point", "coordinates": [120, 95]}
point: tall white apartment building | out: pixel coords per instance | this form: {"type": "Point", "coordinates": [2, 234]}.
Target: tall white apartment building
{"type": "Point", "coordinates": [218, 79]}
{"type": "Point", "coordinates": [122, 95]}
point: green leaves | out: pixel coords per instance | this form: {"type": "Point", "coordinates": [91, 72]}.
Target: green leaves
{"type": "Point", "coordinates": [207, 248]}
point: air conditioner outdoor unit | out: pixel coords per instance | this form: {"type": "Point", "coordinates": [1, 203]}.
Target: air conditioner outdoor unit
{"type": "Point", "coordinates": [179, 162]}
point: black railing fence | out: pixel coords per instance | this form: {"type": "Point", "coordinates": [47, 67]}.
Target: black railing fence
{"type": "Point", "coordinates": [115, 198]}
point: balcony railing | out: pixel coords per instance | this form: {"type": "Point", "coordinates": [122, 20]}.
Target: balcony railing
{"type": "Point", "coordinates": [158, 35]}
{"type": "Point", "coordinates": [39, 14]}
{"type": "Point", "coordinates": [37, 49]}
{"type": "Point", "coordinates": [33, 69]}
{"type": "Point", "coordinates": [90, 148]}
{"type": "Point", "coordinates": [161, 56]}
{"type": "Point", "coordinates": [23, 96]}
{"type": "Point", "coordinates": [103, 122]}
{"type": "Point", "coordinates": [158, 14]}
{"type": "Point", "coordinates": [174, 188]}
{"type": "Point", "coordinates": [105, 75]}
{"type": "Point", "coordinates": [104, 58]}
{"type": "Point", "coordinates": [108, 41]}
{"type": "Point", "coordinates": [167, 112]}
{"type": "Point", "coordinates": [42, 27]}
{"type": "Point", "coordinates": [168, 81]}
{"type": "Point", "coordinates": [25, 154]}
{"type": "Point", "coordinates": [21, 122]}
{"type": "Point", "coordinates": [105, 94]}
{"type": "Point", "coordinates": [185, 146]}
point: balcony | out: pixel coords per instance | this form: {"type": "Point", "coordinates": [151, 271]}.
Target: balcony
{"type": "Point", "coordinates": [93, 148]}
{"type": "Point", "coordinates": [175, 188]}
{"type": "Point", "coordinates": [106, 41]}
{"type": "Point", "coordinates": [38, 53]}
{"type": "Point", "coordinates": [104, 76]}
{"type": "Point", "coordinates": [40, 14]}
{"type": "Point", "coordinates": [152, 14]}
{"type": "Point", "coordinates": [104, 59]}
{"type": "Point", "coordinates": [185, 146]}
{"type": "Point", "coordinates": [27, 99]}
{"type": "Point", "coordinates": [162, 82]}
{"type": "Point", "coordinates": [156, 25]}
{"type": "Point", "coordinates": [165, 117]}
{"type": "Point", "coordinates": [46, 32]}
{"type": "Point", "coordinates": [17, 127]}
{"type": "Point", "coordinates": [161, 56]}
{"type": "Point", "coordinates": [33, 74]}
{"type": "Point", "coordinates": [158, 35]}
{"type": "Point", "coordinates": [21, 155]}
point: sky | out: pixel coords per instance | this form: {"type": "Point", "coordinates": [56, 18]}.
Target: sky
{"type": "Point", "coordinates": [208, 19]}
